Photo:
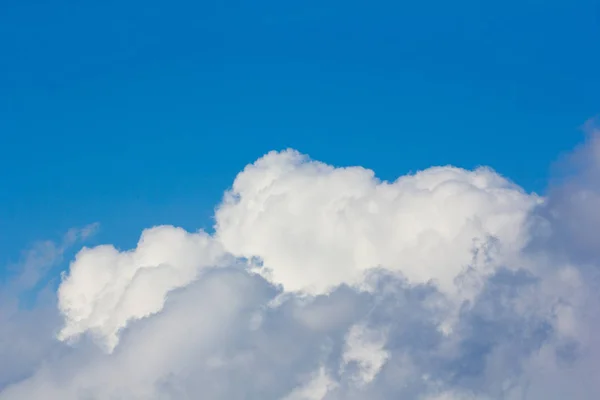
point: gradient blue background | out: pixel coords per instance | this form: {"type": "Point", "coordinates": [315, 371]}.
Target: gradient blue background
{"type": "Point", "coordinates": [139, 113]}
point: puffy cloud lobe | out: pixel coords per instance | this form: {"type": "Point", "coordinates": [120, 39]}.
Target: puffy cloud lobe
{"type": "Point", "coordinates": [105, 288]}
{"type": "Point", "coordinates": [443, 285]}
{"type": "Point", "coordinates": [313, 226]}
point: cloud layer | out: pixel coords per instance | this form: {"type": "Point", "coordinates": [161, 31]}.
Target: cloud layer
{"type": "Point", "coordinates": [324, 283]}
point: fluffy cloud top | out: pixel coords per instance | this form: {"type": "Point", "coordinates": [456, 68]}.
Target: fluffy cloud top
{"type": "Point", "coordinates": [314, 226]}
{"type": "Point", "coordinates": [324, 283]}
{"type": "Point", "coordinates": [105, 288]}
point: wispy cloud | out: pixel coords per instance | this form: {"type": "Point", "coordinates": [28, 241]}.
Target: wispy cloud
{"type": "Point", "coordinates": [26, 335]}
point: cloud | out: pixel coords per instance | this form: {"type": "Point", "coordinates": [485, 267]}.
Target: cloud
{"type": "Point", "coordinates": [325, 283]}
{"type": "Point", "coordinates": [106, 288]}
{"type": "Point", "coordinates": [27, 332]}
{"type": "Point", "coordinates": [314, 226]}
{"type": "Point", "coordinates": [43, 255]}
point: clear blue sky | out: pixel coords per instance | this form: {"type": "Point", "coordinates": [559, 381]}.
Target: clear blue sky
{"type": "Point", "coordinates": [139, 113]}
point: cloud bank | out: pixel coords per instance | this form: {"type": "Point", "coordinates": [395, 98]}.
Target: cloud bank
{"type": "Point", "coordinates": [325, 283]}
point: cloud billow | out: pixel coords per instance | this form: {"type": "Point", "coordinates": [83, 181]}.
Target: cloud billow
{"type": "Point", "coordinates": [324, 283]}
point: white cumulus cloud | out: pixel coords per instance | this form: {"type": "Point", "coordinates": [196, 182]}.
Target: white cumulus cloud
{"type": "Point", "coordinates": [325, 283]}
{"type": "Point", "coordinates": [313, 226]}
{"type": "Point", "coordinates": [106, 288]}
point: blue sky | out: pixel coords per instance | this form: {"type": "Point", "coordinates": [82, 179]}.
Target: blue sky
{"type": "Point", "coordinates": [138, 114]}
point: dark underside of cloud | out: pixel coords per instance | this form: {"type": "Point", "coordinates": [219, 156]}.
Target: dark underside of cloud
{"type": "Point", "coordinates": [323, 283]}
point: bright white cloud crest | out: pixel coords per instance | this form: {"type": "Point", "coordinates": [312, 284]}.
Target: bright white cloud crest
{"type": "Point", "coordinates": [325, 283]}
{"type": "Point", "coordinates": [106, 288]}
{"type": "Point", "coordinates": [315, 226]}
